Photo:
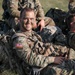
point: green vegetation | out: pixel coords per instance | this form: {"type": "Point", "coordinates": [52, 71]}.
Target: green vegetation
{"type": "Point", "coordinates": [62, 4]}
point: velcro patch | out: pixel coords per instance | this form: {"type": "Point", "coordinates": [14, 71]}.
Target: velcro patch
{"type": "Point", "coordinates": [19, 46]}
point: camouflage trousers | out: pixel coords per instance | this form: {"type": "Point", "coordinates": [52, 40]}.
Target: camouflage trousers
{"type": "Point", "coordinates": [66, 68]}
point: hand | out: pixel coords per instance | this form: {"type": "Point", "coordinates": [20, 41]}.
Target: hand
{"type": "Point", "coordinates": [41, 24]}
{"type": "Point", "coordinates": [47, 53]}
{"type": "Point", "coordinates": [58, 60]}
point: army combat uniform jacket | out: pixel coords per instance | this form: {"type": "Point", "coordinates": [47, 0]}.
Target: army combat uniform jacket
{"type": "Point", "coordinates": [31, 50]}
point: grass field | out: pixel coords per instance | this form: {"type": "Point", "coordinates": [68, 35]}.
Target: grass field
{"type": "Point", "coordinates": [47, 4]}
{"type": "Point", "coordinates": [62, 4]}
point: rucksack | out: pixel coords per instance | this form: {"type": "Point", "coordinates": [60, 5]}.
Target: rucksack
{"type": "Point", "coordinates": [59, 16]}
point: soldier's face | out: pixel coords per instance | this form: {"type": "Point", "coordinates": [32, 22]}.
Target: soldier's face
{"type": "Point", "coordinates": [72, 24]}
{"type": "Point", "coordinates": [28, 20]}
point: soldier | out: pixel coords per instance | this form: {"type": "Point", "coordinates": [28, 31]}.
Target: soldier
{"type": "Point", "coordinates": [70, 21]}
{"type": "Point", "coordinates": [46, 30]}
{"type": "Point", "coordinates": [32, 51]}
{"type": "Point", "coordinates": [14, 8]}
{"type": "Point", "coordinates": [71, 5]}
{"type": "Point", "coordinates": [71, 28]}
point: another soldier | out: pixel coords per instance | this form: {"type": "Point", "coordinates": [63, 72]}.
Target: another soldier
{"type": "Point", "coordinates": [32, 51]}
{"type": "Point", "coordinates": [71, 5]}
{"type": "Point", "coordinates": [46, 30]}
{"type": "Point", "coordinates": [71, 27]}
{"type": "Point", "coordinates": [70, 21]}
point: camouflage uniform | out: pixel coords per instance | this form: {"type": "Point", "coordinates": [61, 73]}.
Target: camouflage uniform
{"type": "Point", "coordinates": [14, 7]}
{"type": "Point", "coordinates": [8, 64]}
{"type": "Point", "coordinates": [31, 50]}
{"type": "Point", "coordinates": [71, 5]}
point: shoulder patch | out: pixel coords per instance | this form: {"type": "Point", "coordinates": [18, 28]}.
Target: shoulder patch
{"type": "Point", "coordinates": [19, 46]}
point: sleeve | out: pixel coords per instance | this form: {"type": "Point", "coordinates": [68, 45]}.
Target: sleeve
{"type": "Point", "coordinates": [13, 8]}
{"type": "Point", "coordinates": [40, 11]}
{"type": "Point", "coordinates": [28, 56]}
